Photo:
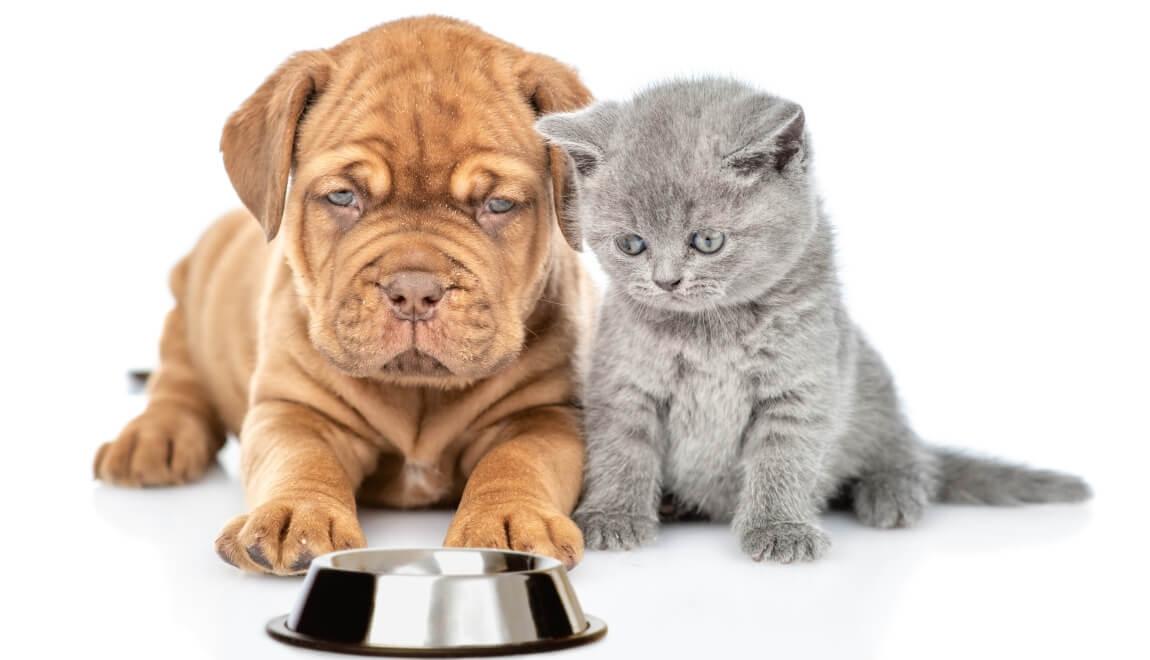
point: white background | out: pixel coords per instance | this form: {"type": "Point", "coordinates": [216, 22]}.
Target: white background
{"type": "Point", "coordinates": [986, 166]}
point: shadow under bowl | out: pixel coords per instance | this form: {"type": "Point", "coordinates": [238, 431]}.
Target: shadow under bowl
{"type": "Point", "coordinates": [441, 602]}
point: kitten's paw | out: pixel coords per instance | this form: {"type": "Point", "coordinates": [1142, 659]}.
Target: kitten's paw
{"type": "Point", "coordinates": [785, 542]}
{"type": "Point", "coordinates": [891, 499]}
{"type": "Point", "coordinates": [615, 531]}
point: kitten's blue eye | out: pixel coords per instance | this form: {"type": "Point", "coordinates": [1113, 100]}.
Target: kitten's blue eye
{"type": "Point", "coordinates": [707, 241]}
{"type": "Point", "coordinates": [631, 244]}
{"type": "Point", "coordinates": [499, 205]}
{"type": "Point", "coordinates": [341, 197]}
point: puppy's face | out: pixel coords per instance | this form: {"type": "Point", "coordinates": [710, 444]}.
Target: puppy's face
{"type": "Point", "coordinates": [419, 256]}
{"type": "Point", "coordinates": [419, 222]}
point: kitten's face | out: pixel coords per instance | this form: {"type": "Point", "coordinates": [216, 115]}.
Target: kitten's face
{"type": "Point", "coordinates": [691, 200]}
{"type": "Point", "coordinates": [690, 237]}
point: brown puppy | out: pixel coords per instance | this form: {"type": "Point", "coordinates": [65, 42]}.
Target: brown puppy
{"type": "Point", "coordinates": [414, 327]}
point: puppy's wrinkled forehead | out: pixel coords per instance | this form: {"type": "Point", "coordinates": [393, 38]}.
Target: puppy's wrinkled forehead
{"type": "Point", "coordinates": [402, 118]}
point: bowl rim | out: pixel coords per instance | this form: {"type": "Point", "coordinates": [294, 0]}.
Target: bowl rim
{"type": "Point", "coordinates": [548, 564]}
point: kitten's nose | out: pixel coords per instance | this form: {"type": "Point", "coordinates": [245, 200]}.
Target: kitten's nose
{"type": "Point", "coordinates": [668, 285]}
{"type": "Point", "coordinates": [413, 294]}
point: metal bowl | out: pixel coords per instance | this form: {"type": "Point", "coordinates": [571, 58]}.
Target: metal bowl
{"type": "Point", "coordinates": [442, 602]}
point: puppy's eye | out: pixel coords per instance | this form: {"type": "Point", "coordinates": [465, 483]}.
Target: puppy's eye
{"type": "Point", "coordinates": [707, 241]}
{"type": "Point", "coordinates": [631, 244]}
{"type": "Point", "coordinates": [499, 205]}
{"type": "Point", "coordinates": [341, 198]}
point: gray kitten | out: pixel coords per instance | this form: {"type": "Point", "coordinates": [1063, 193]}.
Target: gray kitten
{"type": "Point", "coordinates": [727, 379]}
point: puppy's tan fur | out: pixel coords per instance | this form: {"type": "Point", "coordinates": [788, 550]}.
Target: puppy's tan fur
{"type": "Point", "coordinates": [291, 343]}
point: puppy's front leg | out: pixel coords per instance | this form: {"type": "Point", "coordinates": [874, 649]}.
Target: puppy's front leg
{"type": "Point", "coordinates": [520, 493]}
{"type": "Point", "coordinates": [300, 472]}
{"type": "Point", "coordinates": [776, 516]}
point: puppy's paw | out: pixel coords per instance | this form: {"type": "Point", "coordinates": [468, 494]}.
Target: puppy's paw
{"type": "Point", "coordinates": [282, 537]}
{"type": "Point", "coordinates": [164, 446]}
{"type": "Point", "coordinates": [524, 527]}
{"type": "Point", "coordinates": [890, 500]}
{"type": "Point", "coordinates": [616, 530]}
{"type": "Point", "coordinates": [785, 542]}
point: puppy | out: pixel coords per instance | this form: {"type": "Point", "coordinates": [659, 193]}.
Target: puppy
{"type": "Point", "coordinates": [410, 337]}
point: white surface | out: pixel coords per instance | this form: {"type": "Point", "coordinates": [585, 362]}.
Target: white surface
{"type": "Point", "coordinates": [986, 167]}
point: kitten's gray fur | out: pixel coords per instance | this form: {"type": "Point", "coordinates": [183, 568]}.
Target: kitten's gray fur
{"type": "Point", "coordinates": [746, 393]}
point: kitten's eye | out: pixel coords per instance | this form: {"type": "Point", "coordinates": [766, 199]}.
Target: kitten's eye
{"type": "Point", "coordinates": [499, 205]}
{"type": "Point", "coordinates": [341, 197]}
{"type": "Point", "coordinates": [707, 241]}
{"type": "Point", "coordinates": [631, 244]}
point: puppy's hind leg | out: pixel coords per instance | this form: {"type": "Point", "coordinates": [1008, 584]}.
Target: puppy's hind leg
{"type": "Point", "coordinates": [178, 435]}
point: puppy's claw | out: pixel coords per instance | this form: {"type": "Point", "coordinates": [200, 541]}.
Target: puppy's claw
{"type": "Point", "coordinates": [256, 554]}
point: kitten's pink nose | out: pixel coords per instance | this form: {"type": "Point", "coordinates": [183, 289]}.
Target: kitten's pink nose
{"type": "Point", "coordinates": [668, 285]}
{"type": "Point", "coordinates": [413, 294]}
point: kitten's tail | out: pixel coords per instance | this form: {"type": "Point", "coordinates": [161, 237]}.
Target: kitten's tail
{"type": "Point", "coordinates": [975, 480]}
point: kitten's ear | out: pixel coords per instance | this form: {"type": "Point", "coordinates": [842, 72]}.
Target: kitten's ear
{"type": "Point", "coordinates": [773, 137]}
{"type": "Point", "coordinates": [584, 134]}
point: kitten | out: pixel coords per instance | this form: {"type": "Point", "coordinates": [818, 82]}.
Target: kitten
{"type": "Point", "coordinates": [726, 374]}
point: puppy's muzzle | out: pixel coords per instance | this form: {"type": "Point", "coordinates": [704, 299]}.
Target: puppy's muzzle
{"type": "Point", "coordinates": [413, 294]}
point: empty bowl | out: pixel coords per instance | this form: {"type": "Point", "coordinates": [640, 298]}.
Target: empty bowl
{"type": "Point", "coordinates": [442, 602]}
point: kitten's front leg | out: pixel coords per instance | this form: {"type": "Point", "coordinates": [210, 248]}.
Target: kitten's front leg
{"type": "Point", "coordinates": [621, 487]}
{"type": "Point", "coordinates": [776, 516]}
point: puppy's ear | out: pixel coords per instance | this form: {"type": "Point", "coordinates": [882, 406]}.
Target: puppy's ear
{"type": "Point", "coordinates": [773, 136]}
{"type": "Point", "coordinates": [550, 86]}
{"type": "Point", "coordinates": [259, 139]}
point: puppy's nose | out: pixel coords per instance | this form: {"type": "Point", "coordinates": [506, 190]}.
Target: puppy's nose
{"type": "Point", "coordinates": [668, 285]}
{"type": "Point", "coordinates": [413, 294]}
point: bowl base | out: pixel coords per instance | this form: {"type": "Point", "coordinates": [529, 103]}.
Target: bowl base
{"type": "Point", "coordinates": [279, 630]}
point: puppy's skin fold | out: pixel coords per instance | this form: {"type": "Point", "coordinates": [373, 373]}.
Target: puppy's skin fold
{"type": "Point", "coordinates": [399, 342]}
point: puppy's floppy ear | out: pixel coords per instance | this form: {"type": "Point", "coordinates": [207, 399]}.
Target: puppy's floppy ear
{"type": "Point", "coordinates": [550, 86]}
{"type": "Point", "coordinates": [773, 135]}
{"type": "Point", "coordinates": [259, 139]}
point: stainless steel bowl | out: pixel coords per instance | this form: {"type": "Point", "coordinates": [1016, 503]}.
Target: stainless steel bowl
{"type": "Point", "coordinates": [443, 602]}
